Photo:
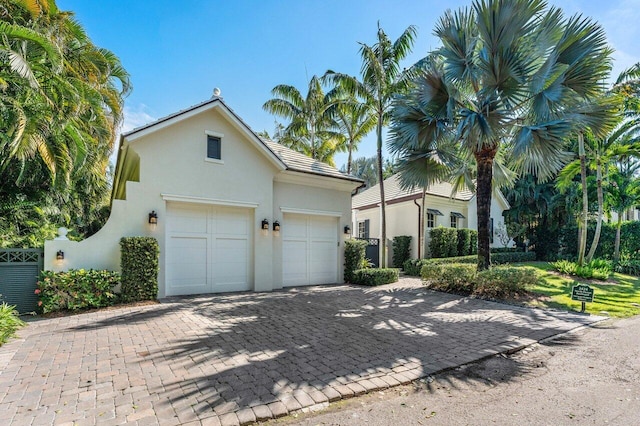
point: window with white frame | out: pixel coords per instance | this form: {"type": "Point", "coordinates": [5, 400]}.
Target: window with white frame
{"type": "Point", "coordinates": [363, 229]}
{"type": "Point", "coordinates": [431, 220]}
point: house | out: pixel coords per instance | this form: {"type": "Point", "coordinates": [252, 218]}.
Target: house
{"type": "Point", "coordinates": [230, 211]}
{"type": "Point", "coordinates": [443, 207]}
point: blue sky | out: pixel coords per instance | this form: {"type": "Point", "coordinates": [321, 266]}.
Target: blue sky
{"type": "Point", "coordinates": [178, 51]}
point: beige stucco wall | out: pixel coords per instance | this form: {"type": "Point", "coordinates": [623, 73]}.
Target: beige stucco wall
{"type": "Point", "coordinates": [497, 207]}
{"type": "Point", "coordinates": [173, 161]}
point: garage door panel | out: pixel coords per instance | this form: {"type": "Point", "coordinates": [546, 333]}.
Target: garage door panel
{"type": "Point", "coordinates": [323, 229]}
{"type": "Point", "coordinates": [187, 265]}
{"type": "Point", "coordinates": [232, 222]}
{"type": "Point", "coordinates": [295, 229]}
{"type": "Point", "coordinates": [182, 220]}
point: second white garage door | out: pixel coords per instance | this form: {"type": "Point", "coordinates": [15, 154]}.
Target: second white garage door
{"type": "Point", "coordinates": [208, 249]}
{"type": "Point", "coordinates": [310, 250]}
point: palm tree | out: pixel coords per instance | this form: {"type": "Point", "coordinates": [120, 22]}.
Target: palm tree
{"type": "Point", "coordinates": [312, 129]}
{"type": "Point", "coordinates": [365, 169]}
{"type": "Point", "coordinates": [623, 193]}
{"type": "Point", "coordinates": [512, 78]}
{"type": "Point", "coordinates": [382, 80]}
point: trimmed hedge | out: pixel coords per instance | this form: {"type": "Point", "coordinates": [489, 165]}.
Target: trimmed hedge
{"type": "Point", "coordinates": [497, 282]}
{"type": "Point", "coordinates": [76, 289]}
{"type": "Point", "coordinates": [413, 267]}
{"type": "Point", "coordinates": [464, 242]}
{"type": "Point", "coordinates": [444, 242]}
{"type": "Point", "coordinates": [139, 263]}
{"type": "Point", "coordinates": [354, 257]}
{"type": "Point", "coordinates": [401, 250]}
{"type": "Point", "coordinates": [375, 276]}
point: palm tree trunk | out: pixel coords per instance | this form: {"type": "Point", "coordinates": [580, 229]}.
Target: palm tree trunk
{"type": "Point", "coordinates": [596, 237]}
{"type": "Point", "coordinates": [582, 246]}
{"type": "Point", "coordinates": [383, 215]}
{"type": "Point", "coordinates": [484, 161]}
{"type": "Point", "coordinates": [349, 159]}
{"type": "Point", "coordinates": [616, 250]}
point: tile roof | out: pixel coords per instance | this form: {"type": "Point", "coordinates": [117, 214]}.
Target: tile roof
{"type": "Point", "coordinates": [393, 191]}
{"type": "Point", "coordinates": [298, 162]}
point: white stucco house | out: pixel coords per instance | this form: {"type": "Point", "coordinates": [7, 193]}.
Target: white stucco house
{"type": "Point", "coordinates": [213, 186]}
{"type": "Point", "coordinates": [443, 207]}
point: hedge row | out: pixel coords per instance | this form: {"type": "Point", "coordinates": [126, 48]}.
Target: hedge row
{"type": "Point", "coordinates": [139, 263]}
{"type": "Point", "coordinates": [414, 266]}
{"type": "Point", "coordinates": [449, 242]}
{"type": "Point", "coordinates": [375, 276]}
{"type": "Point", "coordinates": [629, 240]}
{"type": "Point", "coordinates": [76, 289]}
{"type": "Point", "coordinates": [354, 257]}
{"type": "Point", "coordinates": [401, 250]}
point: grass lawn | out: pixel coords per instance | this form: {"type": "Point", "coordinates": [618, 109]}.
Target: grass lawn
{"type": "Point", "coordinates": [618, 297]}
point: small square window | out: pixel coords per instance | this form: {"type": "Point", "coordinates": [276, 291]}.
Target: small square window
{"type": "Point", "coordinates": [214, 147]}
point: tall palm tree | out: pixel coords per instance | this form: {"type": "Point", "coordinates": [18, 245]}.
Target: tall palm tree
{"type": "Point", "coordinates": [312, 129]}
{"type": "Point", "coordinates": [365, 168]}
{"type": "Point", "coordinates": [512, 78]}
{"type": "Point", "coordinates": [623, 193]}
{"type": "Point", "coordinates": [382, 80]}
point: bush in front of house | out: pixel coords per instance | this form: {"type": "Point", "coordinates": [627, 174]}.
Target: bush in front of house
{"type": "Point", "coordinates": [464, 242]}
{"type": "Point", "coordinates": [354, 257]}
{"type": "Point", "coordinates": [499, 282]}
{"type": "Point", "coordinates": [473, 242]}
{"type": "Point", "coordinates": [444, 242]}
{"type": "Point", "coordinates": [413, 267]}
{"type": "Point", "coordinates": [401, 250]}
{"type": "Point", "coordinates": [76, 289]}
{"type": "Point", "coordinates": [375, 276]}
{"type": "Point", "coordinates": [139, 263]}
{"type": "Point", "coordinates": [10, 322]}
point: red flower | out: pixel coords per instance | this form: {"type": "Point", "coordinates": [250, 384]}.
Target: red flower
{"type": "Point", "coordinates": [37, 291]}
{"type": "Point", "coordinates": [40, 303]}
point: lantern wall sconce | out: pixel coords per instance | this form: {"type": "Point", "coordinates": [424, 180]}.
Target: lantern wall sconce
{"type": "Point", "coordinates": [60, 255]}
{"type": "Point", "coordinates": [347, 230]}
{"type": "Point", "coordinates": [153, 218]}
{"type": "Point", "coordinates": [265, 225]}
{"type": "Point", "coordinates": [276, 226]}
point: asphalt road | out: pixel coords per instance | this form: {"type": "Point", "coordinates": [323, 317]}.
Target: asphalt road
{"type": "Point", "coordinates": [590, 376]}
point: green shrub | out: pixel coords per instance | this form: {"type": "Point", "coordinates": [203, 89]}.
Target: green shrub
{"type": "Point", "coordinates": [474, 241]}
{"type": "Point", "coordinates": [76, 289]}
{"type": "Point", "coordinates": [375, 276]}
{"type": "Point", "coordinates": [598, 269]}
{"type": "Point", "coordinates": [401, 250]}
{"type": "Point", "coordinates": [9, 322]}
{"type": "Point", "coordinates": [464, 242]}
{"type": "Point", "coordinates": [496, 258]}
{"type": "Point", "coordinates": [502, 282]}
{"type": "Point", "coordinates": [453, 277]}
{"type": "Point", "coordinates": [444, 242]}
{"type": "Point", "coordinates": [139, 263]}
{"type": "Point", "coordinates": [412, 267]}
{"type": "Point", "coordinates": [628, 266]}
{"type": "Point", "coordinates": [354, 257]}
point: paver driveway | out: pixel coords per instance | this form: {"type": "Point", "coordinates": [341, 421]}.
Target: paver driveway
{"type": "Point", "coordinates": [236, 358]}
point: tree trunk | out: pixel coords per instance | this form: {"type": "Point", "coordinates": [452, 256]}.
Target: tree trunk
{"type": "Point", "coordinates": [616, 250]}
{"type": "Point", "coordinates": [484, 161]}
{"type": "Point", "coordinates": [349, 159]}
{"type": "Point", "coordinates": [585, 200]}
{"type": "Point", "coordinates": [383, 215]}
{"type": "Point", "coordinates": [596, 237]}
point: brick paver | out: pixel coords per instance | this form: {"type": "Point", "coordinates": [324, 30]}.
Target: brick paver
{"type": "Point", "coordinates": [230, 359]}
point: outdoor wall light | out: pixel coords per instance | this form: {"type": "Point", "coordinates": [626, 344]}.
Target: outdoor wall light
{"type": "Point", "coordinates": [153, 218]}
{"type": "Point", "coordinates": [60, 255]}
{"type": "Point", "coordinates": [347, 230]}
{"type": "Point", "coordinates": [265, 225]}
{"type": "Point", "coordinates": [276, 226]}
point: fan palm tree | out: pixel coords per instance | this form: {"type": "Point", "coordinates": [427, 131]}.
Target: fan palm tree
{"type": "Point", "coordinates": [312, 129]}
{"type": "Point", "coordinates": [512, 78]}
{"type": "Point", "coordinates": [382, 79]}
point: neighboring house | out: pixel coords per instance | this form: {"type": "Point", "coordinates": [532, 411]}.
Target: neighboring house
{"type": "Point", "coordinates": [213, 186]}
{"type": "Point", "coordinates": [404, 207]}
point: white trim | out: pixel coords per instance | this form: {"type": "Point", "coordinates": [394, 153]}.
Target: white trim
{"type": "Point", "coordinates": [213, 160]}
{"type": "Point", "coordinates": [154, 127]}
{"type": "Point", "coordinates": [310, 212]}
{"type": "Point", "coordinates": [213, 201]}
{"type": "Point", "coordinates": [214, 134]}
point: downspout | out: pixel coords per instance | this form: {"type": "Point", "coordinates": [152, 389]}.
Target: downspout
{"type": "Point", "coordinates": [419, 226]}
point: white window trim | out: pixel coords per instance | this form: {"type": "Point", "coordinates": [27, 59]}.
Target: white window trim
{"type": "Point", "coordinates": [218, 135]}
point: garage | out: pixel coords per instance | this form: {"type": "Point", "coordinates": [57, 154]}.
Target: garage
{"type": "Point", "coordinates": [208, 249]}
{"type": "Point", "coordinates": [310, 250]}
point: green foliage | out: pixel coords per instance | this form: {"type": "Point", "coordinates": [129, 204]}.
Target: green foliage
{"type": "Point", "coordinates": [401, 250]}
{"type": "Point", "coordinates": [375, 276]}
{"type": "Point", "coordinates": [444, 242]}
{"type": "Point", "coordinates": [598, 269]}
{"type": "Point", "coordinates": [627, 265]}
{"type": "Point", "coordinates": [76, 289]}
{"type": "Point", "coordinates": [139, 263]}
{"type": "Point", "coordinates": [413, 267]}
{"type": "Point", "coordinates": [354, 257]}
{"type": "Point", "coordinates": [498, 282]}
{"type": "Point", "coordinates": [464, 241]}
{"type": "Point", "coordinates": [502, 282]}
{"type": "Point", "coordinates": [9, 322]}
{"type": "Point", "coordinates": [473, 241]}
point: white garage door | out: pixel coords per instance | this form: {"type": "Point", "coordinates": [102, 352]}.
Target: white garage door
{"type": "Point", "coordinates": [208, 249]}
{"type": "Point", "coordinates": [310, 250]}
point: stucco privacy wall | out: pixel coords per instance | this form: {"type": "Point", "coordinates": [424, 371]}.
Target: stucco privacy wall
{"type": "Point", "coordinates": [173, 162]}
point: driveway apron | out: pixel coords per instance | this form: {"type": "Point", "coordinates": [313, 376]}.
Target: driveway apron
{"type": "Point", "coordinates": [238, 358]}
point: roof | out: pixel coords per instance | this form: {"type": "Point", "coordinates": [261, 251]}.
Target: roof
{"type": "Point", "coordinates": [394, 192]}
{"type": "Point", "coordinates": [298, 162]}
